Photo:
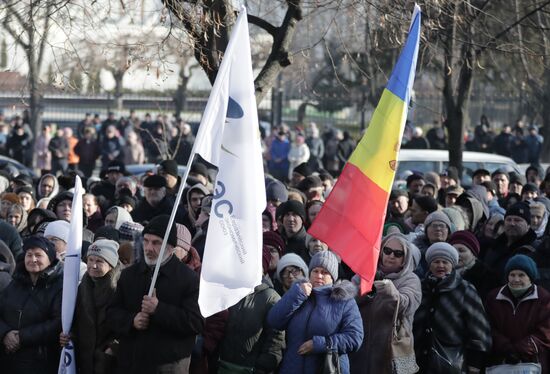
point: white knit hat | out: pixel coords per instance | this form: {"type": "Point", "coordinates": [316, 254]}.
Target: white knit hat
{"type": "Point", "coordinates": [290, 259]}
{"type": "Point", "coordinates": [59, 229]}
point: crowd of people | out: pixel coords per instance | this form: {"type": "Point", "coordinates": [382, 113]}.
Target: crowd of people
{"type": "Point", "coordinates": [460, 285]}
{"type": "Point", "coordinates": [521, 142]}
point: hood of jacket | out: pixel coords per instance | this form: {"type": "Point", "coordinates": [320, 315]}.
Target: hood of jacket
{"type": "Point", "coordinates": [55, 190]}
{"type": "Point", "coordinates": [412, 255]}
{"type": "Point", "coordinates": [122, 216]}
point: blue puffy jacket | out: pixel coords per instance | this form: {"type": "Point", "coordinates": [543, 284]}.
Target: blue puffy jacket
{"type": "Point", "coordinates": [330, 317]}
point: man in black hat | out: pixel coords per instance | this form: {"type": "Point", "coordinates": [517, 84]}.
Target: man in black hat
{"type": "Point", "coordinates": [480, 176]}
{"type": "Point", "coordinates": [300, 173]}
{"type": "Point", "coordinates": [155, 201]}
{"type": "Point", "coordinates": [156, 333]}
{"type": "Point", "coordinates": [292, 214]}
{"type": "Point", "coordinates": [169, 170]}
{"type": "Point", "coordinates": [199, 173]}
{"type": "Point", "coordinates": [312, 187]}
{"type": "Point", "coordinates": [517, 181]}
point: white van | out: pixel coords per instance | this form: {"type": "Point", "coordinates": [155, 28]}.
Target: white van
{"type": "Point", "coordinates": [424, 160]}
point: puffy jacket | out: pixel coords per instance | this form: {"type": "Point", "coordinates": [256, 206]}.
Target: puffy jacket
{"type": "Point", "coordinates": [35, 311]}
{"type": "Point", "coordinates": [249, 341]}
{"type": "Point", "coordinates": [329, 317]}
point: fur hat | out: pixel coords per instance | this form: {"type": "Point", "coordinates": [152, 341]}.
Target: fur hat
{"type": "Point", "coordinates": [106, 249]}
{"type": "Point", "coordinates": [59, 229]}
{"type": "Point", "coordinates": [521, 210]}
{"type": "Point", "coordinates": [442, 250]}
{"type": "Point", "coordinates": [158, 225]}
{"type": "Point", "coordinates": [523, 263]}
{"type": "Point", "coordinates": [326, 260]}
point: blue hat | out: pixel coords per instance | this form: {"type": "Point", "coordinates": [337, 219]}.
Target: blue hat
{"type": "Point", "coordinates": [326, 260]}
{"type": "Point", "coordinates": [523, 263]}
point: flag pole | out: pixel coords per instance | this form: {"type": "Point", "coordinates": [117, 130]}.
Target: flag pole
{"type": "Point", "coordinates": [224, 69]}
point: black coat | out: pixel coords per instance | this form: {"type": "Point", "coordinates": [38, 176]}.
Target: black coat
{"type": "Point", "coordinates": [144, 212]}
{"type": "Point", "coordinates": [173, 327]}
{"type": "Point", "coordinates": [36, 313]}
{"type": "Point", "coordinates": [482, 278]}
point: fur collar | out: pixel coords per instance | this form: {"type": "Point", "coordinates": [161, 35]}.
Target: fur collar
{"type": "Point", "coordinates": [341, 290]}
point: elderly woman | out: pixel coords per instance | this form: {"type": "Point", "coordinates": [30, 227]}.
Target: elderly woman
{"type": "Point", "coordinates": [519, 313]}
{"type": "Point", "coordinates": [93, 338]}
{"type": "Point", "coordinates": [437, 228]}
{"type": "Point", "coordinates": [451, 331]}
{"type": "Point", "coordinates": [290, 268]}
{"type": "Point", "coordinates": [30, 311]}
{"type": "Point", "coordinates": [116, 216]}
{"type": "Point", "coordinates": [390, 307]}
{"type": "Point", "coordinates": [6, 201]}
{"type": "Point", "coordinates": [17, 217]}
{"type": "Point", "coordinates": [26, 198]}
{"type": "Point", "coordinates": [318, 317]}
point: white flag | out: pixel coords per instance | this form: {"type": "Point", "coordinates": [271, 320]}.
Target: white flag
{"type": "Point", "coordinates": [229, 138]}
{"type": "Point", "coordinates": [71, 276]}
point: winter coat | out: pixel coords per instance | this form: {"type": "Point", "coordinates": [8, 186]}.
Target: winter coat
{"type": "Point", "coordinates": [499, 254]}
{"type": "Point", "coordinates": [297, 155]}
{"type": "Point", "coordinates": [17, 146]}
{"type": "Point", "coordinates": [72, 157]}
{"type": "Point", "coordinates": [296, 244]}
{"type": "Point", "coordinates": [316, 152]}
{"type": "Point", "coordinates": [249, 341]}
{"type": "Point", "coordinates": [95, 221]}
{"type": "Point", "coordinates": [329, 317]}
{"type": "Point", "coordinates": [10, 236]}
{"type": "Point", "coordinates": [35, 311]}
{"type": "Point", "coordinates": [377, 312]}
{"type": "Point", "coordinates": [59, 148]}
{"type": "Point", "coordinates": [521, 328]}
{"type": "Point", "coordinates": [111, 149]}
{"type": "Point", "coordinates": [173, 327]}
{"type": "Point", "coordinates": [92, 334]}
{"type": "Point", "coordinates": [43, 154]}
{"type": "Point", "coordinates": [483, 278]}
{"type": "Point", "coordinates": [279, 150]}
{"type": "Point", "coordinates": [452, 312]}
{"type": "Point", "coordinates": [134, 153]}
{"type": "Point", "coordinates": [88, 151]}
{"type": "Point", "coordinates": [145, 212]}
{"type": "Point", "coordinates": [503, 144]}
{"type": "Point", "coordinates": [7, 266]}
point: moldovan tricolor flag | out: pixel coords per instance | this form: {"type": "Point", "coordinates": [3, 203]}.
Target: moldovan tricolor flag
{"type": "Point", "coordinates": [352, 218]}
{"type": "Point", "coordinates": [71, 276]}
{"type": "Point", "coordinates": [229, 138]}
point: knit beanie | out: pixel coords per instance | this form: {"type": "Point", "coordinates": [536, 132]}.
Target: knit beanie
{"type": "Point", "coordinates": [291, 206]}
{"type": "Point", "coordinates": [520, 209]}
{"type": "Point", "coordinates": [529, 187]}
{"type": "Point", "coordinates": [169, 167]}
{"type": "Point", "coordinates": [59, 229]}
{"type": "Point", "coordinates": [523, 263]}
{"type": "Point", "coordinates": [427, 203]}
{"type": "Point", "coordinates": [442, 250]}
{"type": "Point", "coordinates": [128, 230]}
{"type": "Point", "coordinates": [274, 239]}
{"type": "Point", "coordinates": [465, 238]}
{"type": "Point", "coordinates": [276, 191]}
{"type": "Point", "coordinates": [106, 249]}
{"type": "Point", "coordinates": [326, 260]}
{"type": "Point", "coordinates": [438, 216]}
{"type": "Point", "coordinates": [290, 259]}
{"type": "Point", "coordinates": [107, 232]}
{"type": "Point", "coordinates": [303, 169]}
{"type": "Point", "coordinates": [42, 243]}
{"type": "Point", "coordinates": [158, 225]}
{"type": "Point", "coordinates": [183, 236]}
{"type": "Point", "coordinates": [456, 218]}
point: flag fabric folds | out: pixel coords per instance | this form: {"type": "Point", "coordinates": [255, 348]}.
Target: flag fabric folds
{"type": "Point", "coordinates": [229, 138]}
{"type": "Point", "coordinates": [71, 276]}
{"type": "Point", "coordinates": [352, 218]}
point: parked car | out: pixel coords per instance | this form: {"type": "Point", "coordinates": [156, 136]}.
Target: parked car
{"type": "Point", "coordinates": [422, 160]}
{"type": "Point", "coordinates": [139, 170]}
{"type": "Point", "coordinates": [15, 168]}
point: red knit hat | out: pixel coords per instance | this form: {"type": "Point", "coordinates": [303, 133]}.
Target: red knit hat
{"type": "Point", "coordinates": [465, 238]}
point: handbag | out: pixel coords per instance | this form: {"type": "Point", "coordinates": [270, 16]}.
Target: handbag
{"type": "Point", "coordinates": [445, 360]}
{"type": "Point", "coordinates": [331, 362]}
{"type": "Point", "coordinates": [521, 368]}
{"type": "Point", "coordinates": [403, 359]}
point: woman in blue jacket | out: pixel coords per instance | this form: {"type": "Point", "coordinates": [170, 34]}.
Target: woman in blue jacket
{"type": "Point", "coordinates": [318, 316]}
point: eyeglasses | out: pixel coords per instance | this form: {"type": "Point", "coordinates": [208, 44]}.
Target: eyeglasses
{"type": "Point", "coordinates": [292, 270]}
{"type": "Point", "coordinates": [396, 252]}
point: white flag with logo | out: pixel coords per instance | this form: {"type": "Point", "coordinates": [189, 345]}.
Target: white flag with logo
{"type": "Point", "coordinates": [71, 276]}
{"type": "Point", "coordinates": [229, 138]}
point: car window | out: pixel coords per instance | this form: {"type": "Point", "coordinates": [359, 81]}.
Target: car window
{"type": "Point", "coordinates": [417, 165]}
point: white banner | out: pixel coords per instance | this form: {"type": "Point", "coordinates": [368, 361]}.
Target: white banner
{"type": "Point", "coordinates": [71, 276]}
{"type": "Point", "coordinates": [229, 138]}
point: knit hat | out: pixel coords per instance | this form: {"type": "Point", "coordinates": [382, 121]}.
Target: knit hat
{"type": "Point", "coordinates": [456, 218]}
{"type": "Point", "coordinates": [312, 181]}
{"type": "Point", "coordinates": [500, 171]}
{"type": "Point", "coordinates": [326, 260]}
{"type": "Point", "coordinates": [290, 259]}
{"type": "Point", "coordinates": [438, 216]}
{"type": "Point", "coordinates": [107, 232]}
{"type": "Point", "coordinates": [482, 172]}
{"type": "Point", "coordinates": [116, 166]}
{"type": "Point", "coordinates": [154, 181]}
{"type": "Point", "coordinates": [465, 238]}
{"type": "Point", "coordinates": [125, 199]}
{"type": "Point", "coordinates": [11, 197]}
{"type": "Point", "coordinates": [128, 230]}
{"type": "Point", "coordinates": [303, 169]}
{"type": "Point", "coordinates": [427, 203]}
{"type": "Point", "coordinates": [25, 189]}
{"type": "Point", "coordinates": [413, 177]}
{"type": "Point", "coordinates": [291, 206]}
{"type": "Point", "coordinates": [42, 243]}
{"type": "Point", "coordinates": [199, 168]}
{"type": "Point", "coordinates": [106, 249]}
{"type": "Point", "coordinates": [520, 209]}
{"type": "Point", "coordinates": [517, 178]}
{"type": "Point", "coordinates": [169, 167]}
{"type": "Point", "coordinates": [442, 250]}
{"type": "Point", "coordinates": [59, 229]}
{"type": "Point", "coordinates": [451, 172]}
{"type": "Point", "coordinates": [273, 239]}
{"type": "Point", "coordinates": [158, 225]}
{"type": "Point", "coordinates": [183, 236]}
{"type": "Point", "coordinates": [529, 187]}
{"type": "Point", "coordinates": [276, 191]}
{"type": "Point", "coordinates": [524, 263]}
